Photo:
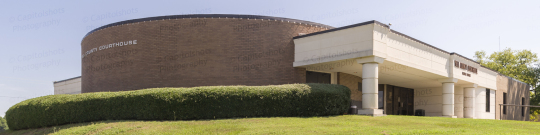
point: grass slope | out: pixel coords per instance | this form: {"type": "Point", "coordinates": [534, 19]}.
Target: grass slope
{"type": "Point", "coordinates": [345, 124]}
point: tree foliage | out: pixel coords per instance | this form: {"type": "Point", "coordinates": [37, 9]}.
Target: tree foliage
{"type": "Point", "coordinates": [535, 116]}
{"type": "Point", "coordinates": [535, 94]}
{"type": "Point", "coordinates": [3, 124]}
{"type": "Point", "coordinates": [513, 63]}
{"type": "Point", "coordinates": [519, 64]}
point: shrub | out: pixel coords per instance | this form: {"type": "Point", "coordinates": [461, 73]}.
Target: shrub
{"type": "Point", "coordinates": [210, 102]}
{"type": "Point", "coordinates": [3, 124]}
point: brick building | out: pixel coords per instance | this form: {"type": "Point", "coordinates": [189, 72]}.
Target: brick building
{"type": "Point", "coordinates": [388, 72]}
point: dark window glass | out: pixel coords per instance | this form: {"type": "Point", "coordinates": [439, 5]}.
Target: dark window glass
{"type": "Point", "coordinates": [317, 77]}
{"type": "Point", "coordinates": [381, 96]}
{"type": "Point", "coordinates": [504, 102]}
{"type": "Point", "coordinates": [381, 99]}
{"type": "Point", "coordinates": [389, 99]}
{"type": "Point", "coordinates": [487, 99]}
{"type": "Point", "coordinates": [522, 108]}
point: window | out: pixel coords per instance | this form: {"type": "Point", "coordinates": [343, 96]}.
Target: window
{"type": "Point", "coordinates": [522, 108]}
{"type": "Point", "coordinates": [487, 99]}
{"type": "Point", "coordinates": [504, 102]}
{"type": "Point", "coordinates": [381, 99]}
{"type": "Point", "coordinates": [381, 96]}
{"type": "Point", "coordinates": [317, 77]}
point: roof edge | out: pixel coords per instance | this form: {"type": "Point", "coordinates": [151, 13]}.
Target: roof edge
{"type": "Point", "coordinates": [340, 28]}
{"type": "Point", "coordinates": [371, 22]}
{"type": "Point", "coordinates": [168, 17]}
{"type": "Point", "coordinates": [66, 80]}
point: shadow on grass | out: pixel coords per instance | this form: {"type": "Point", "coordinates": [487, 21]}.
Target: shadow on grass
{"type": "Point", "coordinates": [239, 118]}
{"type": "Point", "coordinates": [53, 129]}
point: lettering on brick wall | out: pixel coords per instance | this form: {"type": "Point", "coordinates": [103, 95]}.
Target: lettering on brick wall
{"type": "Point", "coordinates": [108, 46]}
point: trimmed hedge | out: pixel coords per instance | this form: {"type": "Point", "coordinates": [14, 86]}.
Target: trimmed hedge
{"type": "Point", "coordinates": [209, 102]}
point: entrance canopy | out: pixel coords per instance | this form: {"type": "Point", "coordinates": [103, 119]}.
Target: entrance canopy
{"type": "Point", "coordinates": [445, 84]}
{"type": "Point", "coordinates": [389, 73]}
{"type": "Point", "coordinates": [407, 62]}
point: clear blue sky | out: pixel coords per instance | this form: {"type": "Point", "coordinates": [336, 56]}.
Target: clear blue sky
{"type": "Point", "coordinates": [40, 40]}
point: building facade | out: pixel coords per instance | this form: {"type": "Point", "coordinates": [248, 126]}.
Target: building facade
{"type": "Point", "coordinates": [388, 72]}
{"type": "Point", "coordinates": [68, 86]}
{"type": "Point", "coordinates": [192, 50]}
{"type": "Point", "coordinates": [392, 73]}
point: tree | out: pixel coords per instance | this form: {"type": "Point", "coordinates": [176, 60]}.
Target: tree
{"type": "Point", "coordinates": [3, 124]}
{"type": "Point", "coordinates": [515, 64]}
{"type": "Point", "coordinates": [535, 93]}
{"type": "Point", "coordinates": [519, 64]}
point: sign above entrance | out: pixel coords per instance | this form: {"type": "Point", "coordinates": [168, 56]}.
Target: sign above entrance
{"type": "Point", "coordinates": [466, 67]}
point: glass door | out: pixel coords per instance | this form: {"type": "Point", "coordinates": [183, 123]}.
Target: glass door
{"type": "Point", "coordinates": [399, 100]}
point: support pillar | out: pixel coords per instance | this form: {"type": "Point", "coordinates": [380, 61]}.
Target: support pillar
{"type": "Point", "coordinates": [468, 101]}
{"type": "Point", "coordinates": [370, 86]}
{"type": "Point", "coordinates": [458, 102]}
{"type": "Point", "coordinates": [334, 78]}
{"type": "Point", "coordinates": [448, 97]}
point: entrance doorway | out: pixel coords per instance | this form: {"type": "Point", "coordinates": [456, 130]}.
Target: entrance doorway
{"type": "Point", "coordinates": [399, 100]}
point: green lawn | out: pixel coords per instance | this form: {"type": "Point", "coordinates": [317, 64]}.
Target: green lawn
{"type": "Point", "coordinates": [346, 124]}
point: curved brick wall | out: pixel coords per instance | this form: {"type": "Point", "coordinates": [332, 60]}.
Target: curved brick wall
{"type": "Point", "coordinates": [192, 50]}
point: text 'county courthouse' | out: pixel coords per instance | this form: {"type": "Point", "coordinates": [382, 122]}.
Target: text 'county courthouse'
{"type": "Point", "coordinates": [388, 72]}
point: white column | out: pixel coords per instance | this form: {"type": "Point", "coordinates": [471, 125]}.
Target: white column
{"type": "Point", "coordinates": [448, 97]}
{"type": "Point", "coordinates": [458, 102]}
{"type": "Point", "coordinates": [333, 78]}
{"type": "Point", "coordinates": [370, 86]}
{"type": "Point", "coordinates": [468, 101]}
